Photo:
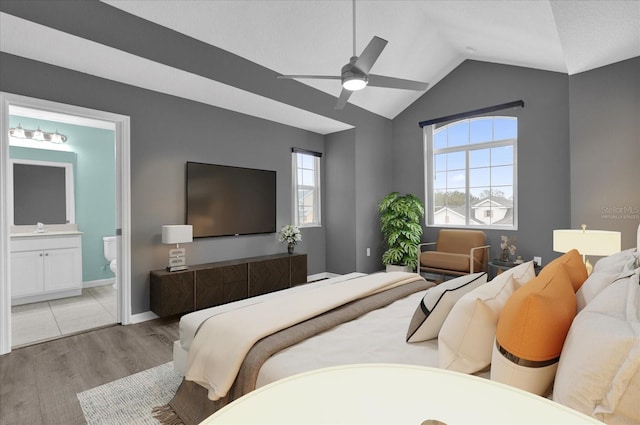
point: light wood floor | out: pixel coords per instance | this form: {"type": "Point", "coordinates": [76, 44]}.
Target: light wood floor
{"type": "Point", "coordinates": [39, 383]}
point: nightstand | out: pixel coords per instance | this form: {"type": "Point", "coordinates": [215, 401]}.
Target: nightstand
{"type": "Point", "coordinates": [497, 266]}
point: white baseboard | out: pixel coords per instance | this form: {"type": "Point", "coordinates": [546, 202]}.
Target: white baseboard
{"type": "Point", "coordinates": [99, 282]}
{"type": "Point", "coordinates": [323, 275]}
{"type": "Point", "coordinates": [143, 317]}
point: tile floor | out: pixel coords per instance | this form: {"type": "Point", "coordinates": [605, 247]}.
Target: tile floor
{"type": "Point", "coordinates": [45, 320]}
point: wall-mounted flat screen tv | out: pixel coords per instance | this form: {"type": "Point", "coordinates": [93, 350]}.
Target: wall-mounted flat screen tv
{"type": "Point", "coordinates": [227, 201]}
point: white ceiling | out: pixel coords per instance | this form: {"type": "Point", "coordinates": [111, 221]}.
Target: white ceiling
{"type": "Point", "coordinates": [427, 40]}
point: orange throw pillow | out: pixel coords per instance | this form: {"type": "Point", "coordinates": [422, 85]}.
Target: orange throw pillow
{"type": "Point", "coordinates": [536, 319]}
{"type": "Point", "coordinates": [575, 267]}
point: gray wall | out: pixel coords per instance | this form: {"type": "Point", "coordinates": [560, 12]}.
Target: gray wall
{"type": "Point", "coordinates": [165, 133]}
{"type": "Point", "coordinates": [605, 149]}
{"type": "Point", "coordinates": [358, 177]}
{"type": "Point", "coordinates": [543, 144]}
{"type": "Point", "coordinates": [374, 148]}
{"type": "Point", "coordinates": [360, 165]}
{"type": "Point", "coordinates": [340, 217]}
{"type": "Point", "coordinates": [160, 145]}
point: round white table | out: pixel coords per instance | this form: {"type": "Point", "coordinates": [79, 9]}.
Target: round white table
{"type": "Point", "coordinates": [392, 394]}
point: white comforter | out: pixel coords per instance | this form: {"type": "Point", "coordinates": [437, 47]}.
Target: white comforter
{"type": "Point", "coordinates": [223, 341]}
{"type": "Point", "coordinates": [376, 337]}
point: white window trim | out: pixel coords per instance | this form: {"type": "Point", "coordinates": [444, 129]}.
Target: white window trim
{"type": "Point", "coordinates": [317, 191]}
{"type": "Point", "coordinates": [428, 178]}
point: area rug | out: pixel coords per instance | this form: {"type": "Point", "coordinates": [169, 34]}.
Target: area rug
{"type": "Point", "coordinates": [130, 400]}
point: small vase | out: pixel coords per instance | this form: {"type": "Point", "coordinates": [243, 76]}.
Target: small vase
{"type": "Point", "coordinates": [290, 247]}
{"type": "Point", "coordinates": [505, 255]}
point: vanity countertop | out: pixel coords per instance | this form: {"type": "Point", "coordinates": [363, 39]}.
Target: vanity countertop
{"type": "Point", "coordinates": [45, 234]}
{"type": "Point", "coordinates": [49, 230]}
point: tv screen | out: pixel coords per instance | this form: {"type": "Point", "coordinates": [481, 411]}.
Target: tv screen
{"type": "Point", "coordinates": [226, 201]}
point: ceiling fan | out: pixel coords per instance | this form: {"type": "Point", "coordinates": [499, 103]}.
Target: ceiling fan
{"type": "Point", "coordinates": [355, 75]}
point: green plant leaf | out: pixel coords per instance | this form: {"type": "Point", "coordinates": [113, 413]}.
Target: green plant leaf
{"type": "Point", "coordinates": [400, 224]}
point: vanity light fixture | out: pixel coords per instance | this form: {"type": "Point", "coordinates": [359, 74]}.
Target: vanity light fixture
{"type": "Point", "coordinates": [39, 135]}
{"type": "Point", "coordinates": [18, 132]}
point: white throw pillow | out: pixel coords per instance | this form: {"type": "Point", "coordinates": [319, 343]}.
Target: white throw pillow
{"type": "Point", "coordinates": [466, 338]}
{"type": "Point", "coordinates": [596, 282]}
{"type": "Point", "coordinates": [437, 303]}
{"type": "Point", "coordinates": [618, 262]}
{"type": "Point", "coordinates": [599, 369]}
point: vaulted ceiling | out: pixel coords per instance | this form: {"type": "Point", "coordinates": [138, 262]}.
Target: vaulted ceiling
{"type": "Point", "coordinates": [426, 41]}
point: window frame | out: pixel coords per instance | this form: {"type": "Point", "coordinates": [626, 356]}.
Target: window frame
{"type": "Point", "coordinates": [429, 170]}
{"type": "Point", "coordinates": [317, 189]}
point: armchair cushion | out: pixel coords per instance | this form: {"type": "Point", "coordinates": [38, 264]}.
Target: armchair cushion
{"type": "Point", "coordinates": [452, 252]}
{"type": "Point", "coordinates": [459, 241]}
{"type": "Point", "coordinates": [447, 261]}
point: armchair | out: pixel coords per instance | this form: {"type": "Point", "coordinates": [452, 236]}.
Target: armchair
{"type": "Point", "coordinates": [457, 252]}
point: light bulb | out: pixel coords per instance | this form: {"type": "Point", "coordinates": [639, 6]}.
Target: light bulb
{"type": "Point", "coordinates": [17, 132]}
{"type": "Point", "coordinates": [38, 135]}
{"type": "Point", "coordinates": [354, 83]}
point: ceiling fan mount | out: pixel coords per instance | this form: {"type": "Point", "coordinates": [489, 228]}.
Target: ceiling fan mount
{"type": "Point", "coordinates": [355, 74]}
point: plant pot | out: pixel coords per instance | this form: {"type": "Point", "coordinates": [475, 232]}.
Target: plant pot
{"type": "Point", "coordinates": [394, 268]}
{"type": "Point", "coordinates": [290, 248]}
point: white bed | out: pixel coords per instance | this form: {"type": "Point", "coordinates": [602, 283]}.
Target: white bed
{"type": "Point", "coordinates": [379, 336]}
{"type": "Point", "coordinates": [190, 323]}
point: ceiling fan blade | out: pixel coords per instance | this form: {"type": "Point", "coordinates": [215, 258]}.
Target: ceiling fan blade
{"type": "Point", "coordinates": [396, 83]}
{"type": "Point", "coordinates": [318, 77]}
{"type": "Point", "coordinates": [342, 100]}
{"type": "Point", "coordinates": [370, 54]}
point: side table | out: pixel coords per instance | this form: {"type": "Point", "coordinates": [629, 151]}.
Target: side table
{"type": "Point", "coordinates": [497, 266]}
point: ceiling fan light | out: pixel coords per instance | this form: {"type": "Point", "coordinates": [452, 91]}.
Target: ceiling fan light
{"type": "Point", "coordinates": [354, 83]}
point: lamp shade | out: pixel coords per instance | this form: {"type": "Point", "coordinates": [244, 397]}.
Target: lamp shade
{"type": "Point", "coordinates": [177, 233]}
{"type": "Point", "coordinates": [587, 242]}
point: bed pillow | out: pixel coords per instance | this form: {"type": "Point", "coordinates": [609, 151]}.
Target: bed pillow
{"type": "Point", "coordinates": [596, 282]}
{"type": "Point", "coordinates": [437, 303]}
{"type": "Point", "coordinates": [575, 267]}
{"type": "Point", "coordinates": [599, 370]}
{"type": "Point", "coordinates": [531, 331]}
{"type": "Point", "coordinates": [618, 262]}
{"type": "Point", "coordinates": [466, 338]}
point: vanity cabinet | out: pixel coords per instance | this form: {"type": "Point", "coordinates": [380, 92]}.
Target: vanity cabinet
{"type": "Point", "coordinates": [45, 267]}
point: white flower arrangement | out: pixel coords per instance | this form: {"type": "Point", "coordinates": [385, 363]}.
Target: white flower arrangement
{"type": "Point", "coordinates": [290, 234]}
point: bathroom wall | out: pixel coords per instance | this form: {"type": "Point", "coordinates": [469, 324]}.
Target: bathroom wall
{"type": "Point", "coordinates": [92, 152]}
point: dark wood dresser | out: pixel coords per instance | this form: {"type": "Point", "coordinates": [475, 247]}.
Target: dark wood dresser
{"type": "Point", "coordinates": [212, 284]}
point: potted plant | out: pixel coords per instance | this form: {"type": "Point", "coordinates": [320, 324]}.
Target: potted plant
{"type": "Point", "coordinates": [400, 224]}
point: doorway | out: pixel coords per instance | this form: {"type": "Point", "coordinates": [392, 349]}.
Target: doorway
{"type": "Point", "coordinates": [96, 290]}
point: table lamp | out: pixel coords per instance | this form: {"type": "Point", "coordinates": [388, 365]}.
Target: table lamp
{"type": "Point", "coordinates": [177, 234]}
{"type": "Point", "coordinates": [587, 242]}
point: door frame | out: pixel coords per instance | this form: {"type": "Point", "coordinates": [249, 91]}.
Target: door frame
{"type": "Point", "coordinates": [123, 202]}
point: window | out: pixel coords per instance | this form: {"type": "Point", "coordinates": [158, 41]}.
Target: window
{"type": "Point", "coordinates": [470, 173]}
{"type": "Point", "coordinates": [306, 187]}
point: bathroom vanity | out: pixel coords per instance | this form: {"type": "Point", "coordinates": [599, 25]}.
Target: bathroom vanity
{"type": "Point", "coordinates": [45, 265]}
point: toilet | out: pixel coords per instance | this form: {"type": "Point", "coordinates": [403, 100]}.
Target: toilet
{"type": "Point", "coordinates": [111, 252]}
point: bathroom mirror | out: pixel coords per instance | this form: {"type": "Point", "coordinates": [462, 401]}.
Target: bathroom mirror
{"type": "Point", "coordinates": [42, 192]}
